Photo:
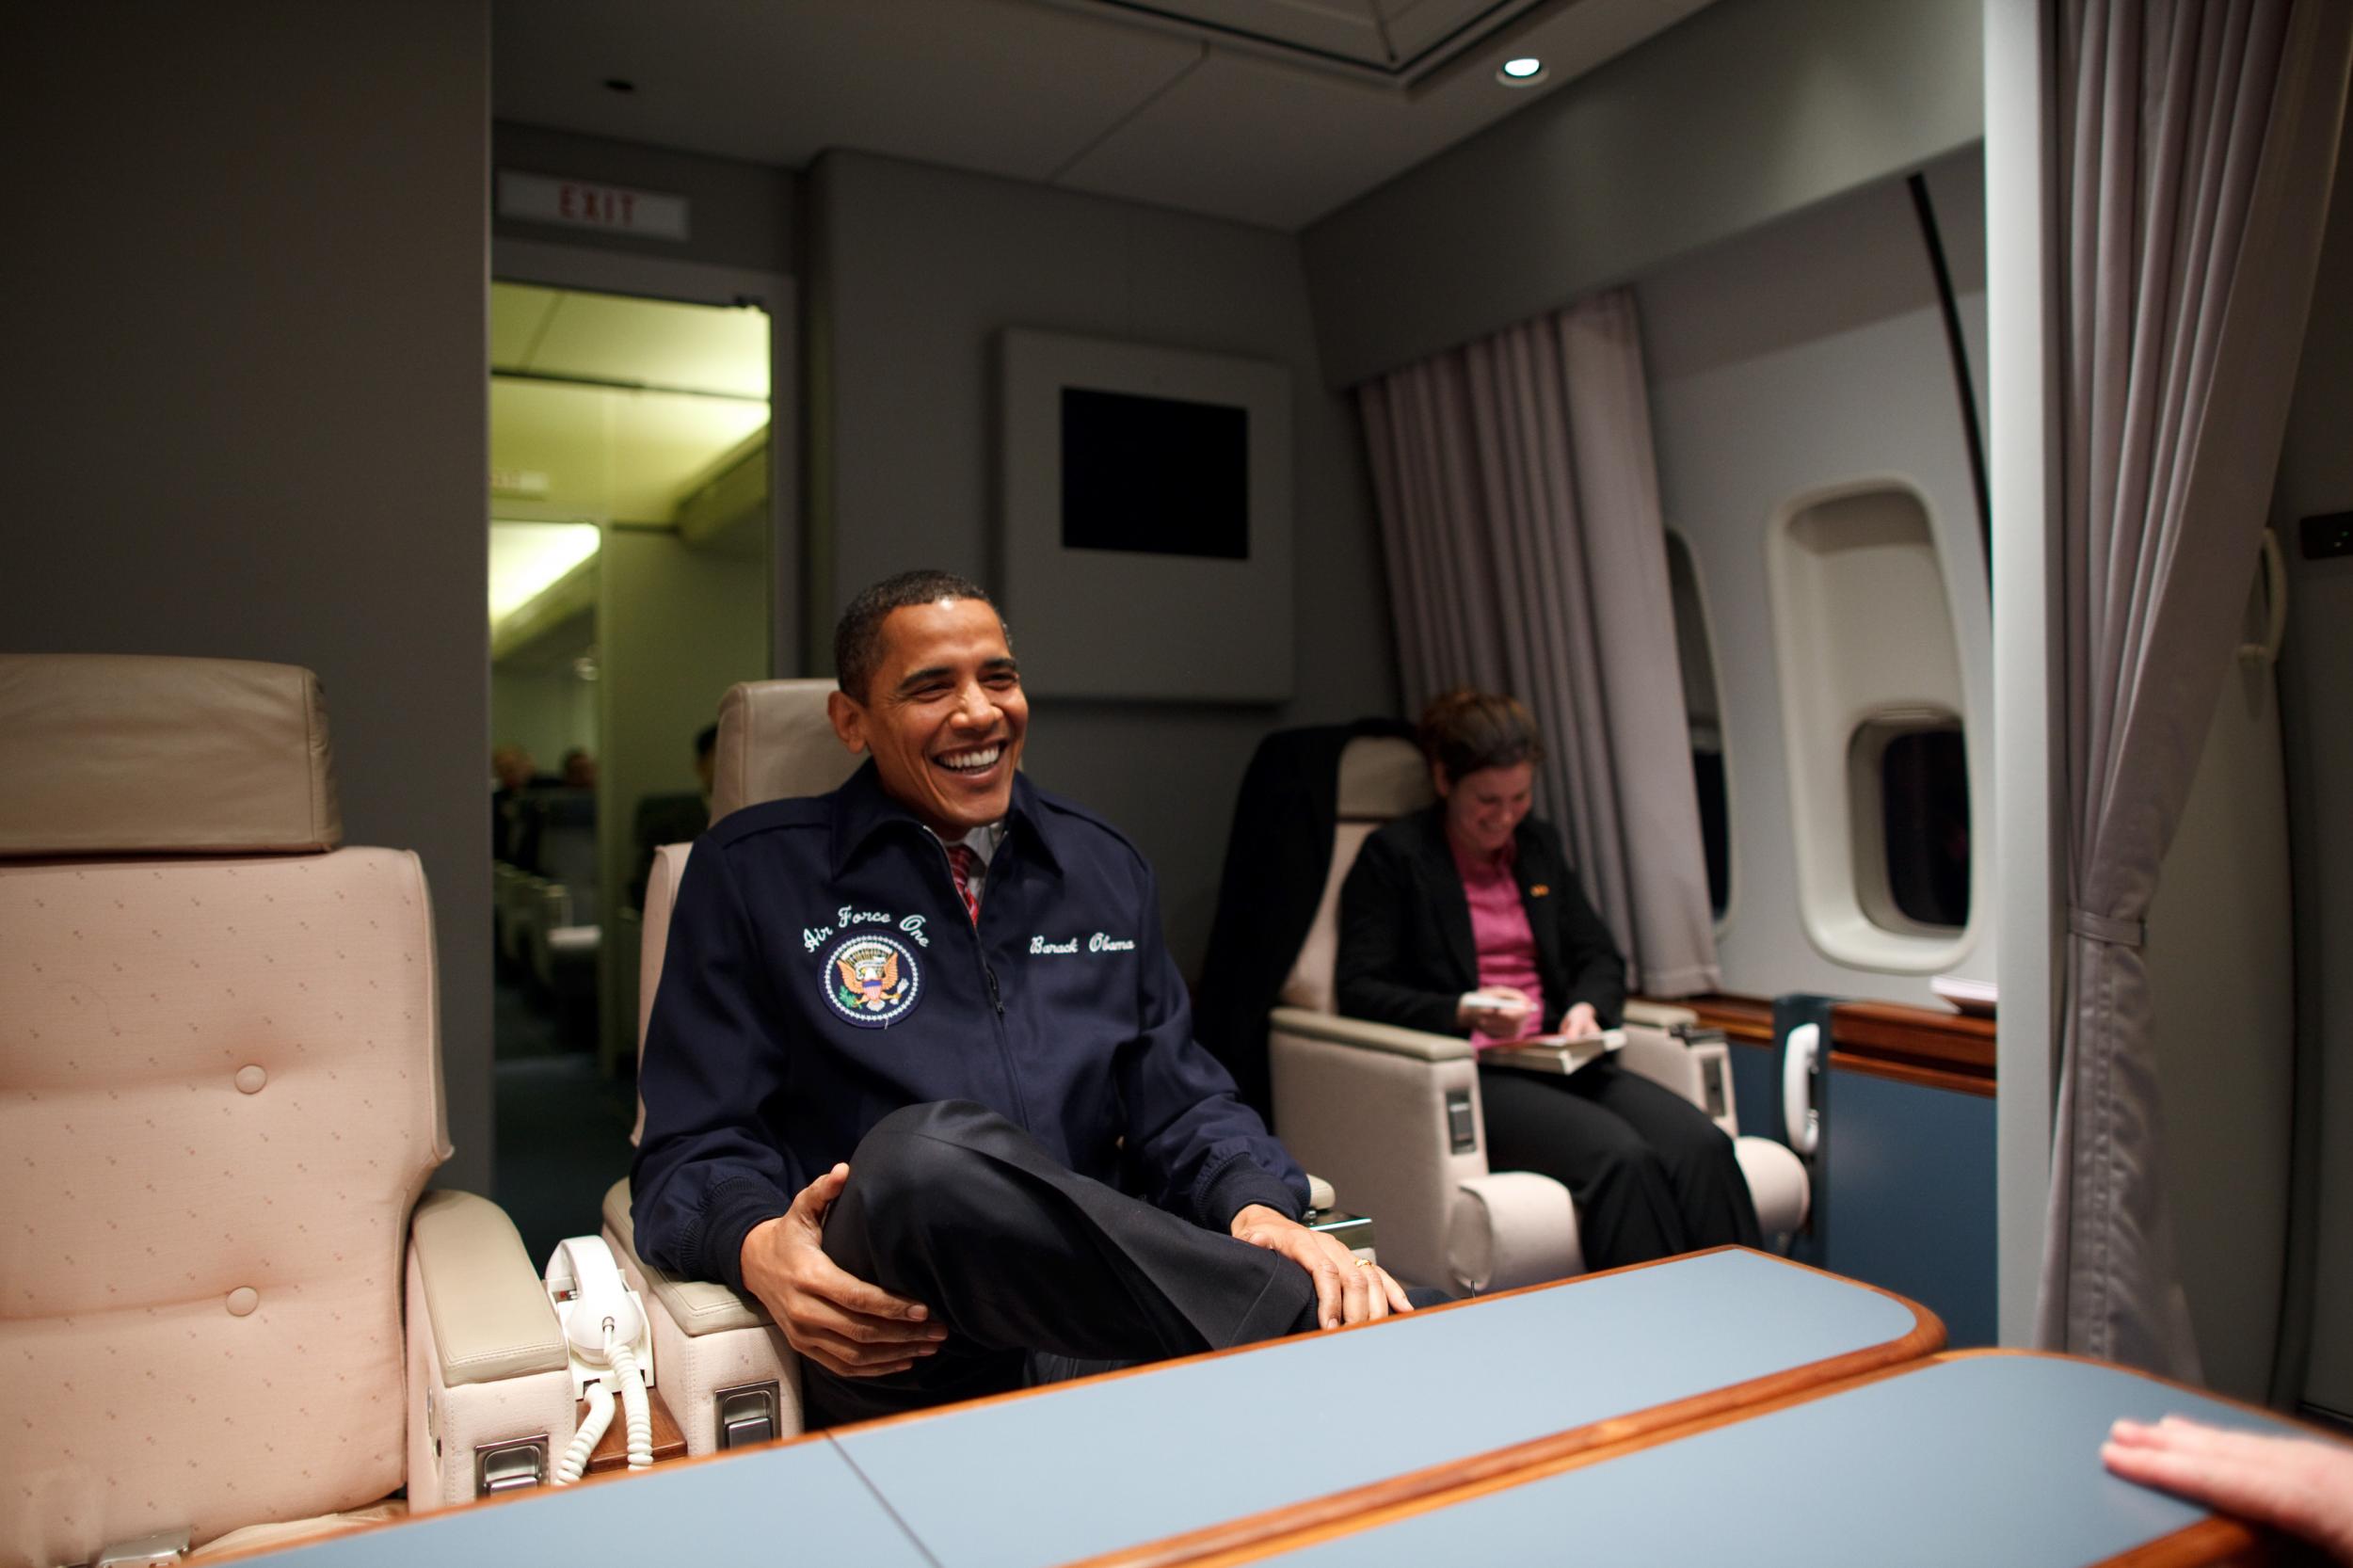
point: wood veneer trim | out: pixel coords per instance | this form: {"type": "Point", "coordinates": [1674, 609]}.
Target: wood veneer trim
{"type": "Point", "coordinates": [1315, 1518]}
{"type": "Point", "coordinates": [1945, 1039]}
{"type": "Point", "coordinates": [1388, 1511]}
{"type": "Point", "coordinates": [2214, 1542]}
{"type": "Point", "coordinates": [1909, 1045]}
{"type": "Point", "coordinates": [1748, 1020]}
{"type": "Point", "coordinates": [1907, 1072]}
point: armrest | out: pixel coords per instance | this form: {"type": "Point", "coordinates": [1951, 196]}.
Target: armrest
{"type": "Point", "coordinates": [1394, 1128]}
{"type": "Point", "coordinates": [1511, 1229]}
{"type": "Point", "coordinates": [1657, 1055]}
{"type": "Point", "coordinates": [1778, 1181]}
{"type": "Point", "coordinates": [1319, 1193]}
{"type": "Point", "coordinates": [714, 1349]}
{"type": "Point", "coordinates": [1370, 1036]}
{"type": "Point", "coordinates": [491, 1315]}
{"type": "Point", "coordinates": [698, 1307]}
{"type": "Point", "coordinates": [1658, 1015]}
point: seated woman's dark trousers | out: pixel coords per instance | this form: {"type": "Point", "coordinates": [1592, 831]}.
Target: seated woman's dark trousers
{"type": "Point", "coordinates": [1037, 1273]}
{"type": "Point", "coordinates": [1652, 1176]}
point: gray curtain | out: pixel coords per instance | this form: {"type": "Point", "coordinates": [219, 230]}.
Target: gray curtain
{"type": "Point", "coordinates": [2197, 142]}
{"type": "Point", "coordinates": [1519, 515]}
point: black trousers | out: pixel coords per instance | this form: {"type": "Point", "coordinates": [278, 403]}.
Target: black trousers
{"type": "Point", "coordinates": [1652, 1176]}
{"type": "Point", "coordinates": [1036, 1274]}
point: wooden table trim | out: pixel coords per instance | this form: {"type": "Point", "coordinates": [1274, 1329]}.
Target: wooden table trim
{"type": "Point", "coordinates": [2214, 1541]}
{"type": "Point", "coordinates": [1253, 1535]}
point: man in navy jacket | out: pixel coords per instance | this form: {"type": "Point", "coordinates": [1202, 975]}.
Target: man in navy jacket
{"type": "Point", "coordinates": [920, 1074]}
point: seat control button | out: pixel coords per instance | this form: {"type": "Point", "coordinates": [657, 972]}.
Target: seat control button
{"type": "Point", "coordinates": [243, 1300]}
{"type": "Point", "coordinates": [250, 1079]}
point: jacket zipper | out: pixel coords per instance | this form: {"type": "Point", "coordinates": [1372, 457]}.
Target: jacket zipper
{"type": "Point", "coordinates": [995, 998]}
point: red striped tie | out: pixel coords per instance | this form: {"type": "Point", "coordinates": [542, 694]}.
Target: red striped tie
{"type": "Point", "coordinates": [960, 867]}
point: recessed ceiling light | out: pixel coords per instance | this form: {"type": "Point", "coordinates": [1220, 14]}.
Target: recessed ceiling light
{"type": "Point", "coordinates": [1523, 72]}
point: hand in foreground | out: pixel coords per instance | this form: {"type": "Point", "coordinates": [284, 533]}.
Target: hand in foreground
{"type": "Point", "coordinates": [1580, 1021]}
{"type": "Point", "coordinates": [1493, 1009]}
{"type": "Point", "coordinates": [2303, 1487]}
{"type": "Point", "coordinates": [845, 1325]}
{"type": "Point", "coordinates": [1347, 1290]}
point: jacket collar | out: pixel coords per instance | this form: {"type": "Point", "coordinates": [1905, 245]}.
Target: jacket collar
{"type": "Point", "coordinates": [861, 810]}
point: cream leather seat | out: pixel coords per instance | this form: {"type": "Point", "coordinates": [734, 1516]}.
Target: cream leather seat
{"type": "Point", "coordinates": [727, 1373]}
{"type": "Point", "coordinates": [1393, 1116]}
{"type": "Point", "coordinates": [230, 1304]}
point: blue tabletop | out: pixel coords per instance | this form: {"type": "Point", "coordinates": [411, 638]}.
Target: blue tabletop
{"type": "Point", "coordinates": [1979, 1460]}
{"type": "Point", "coordinates": [1100, 1465]}
{"type": "Point", "coordinates": [802, 1503]}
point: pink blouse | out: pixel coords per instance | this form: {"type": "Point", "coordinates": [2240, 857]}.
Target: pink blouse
{"type": "Point", "coordinates": [1499, 931]}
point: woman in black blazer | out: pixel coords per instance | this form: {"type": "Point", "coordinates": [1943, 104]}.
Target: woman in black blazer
{"type": "Point", "coordinates": [1466, 919]}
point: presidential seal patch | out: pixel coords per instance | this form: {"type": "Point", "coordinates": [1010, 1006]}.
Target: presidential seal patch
{"type": "Point", "coordinates": [872, 980]}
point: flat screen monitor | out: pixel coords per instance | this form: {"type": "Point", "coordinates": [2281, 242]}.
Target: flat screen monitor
{"type": "Point", "coordinates": [1155, 475]}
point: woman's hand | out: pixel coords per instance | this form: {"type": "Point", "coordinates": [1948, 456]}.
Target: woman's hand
{"type": "Point", "coordinates": [1497, 1010]}
{"type": "Point", "coordinates": [1580, 1021]}
{"type": "Point", "coordinates": [1348, 1290]}
{"type": "Point", "coordinates": [845, 1325]}
{"type": "Point", "coordinates": [2293, 1484]}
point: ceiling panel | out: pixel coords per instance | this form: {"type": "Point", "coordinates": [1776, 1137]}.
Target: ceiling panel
{"type": "Point", "coordinates": [518, 311]}
{"type": "Point", "coordinates": [620, 455]}
{"type": "Point", "coordinates": [1117, 99]}
{"type": "Point", "coordinates": [1344, 29]}
{"type": "Point", "coordinates": [1248, 138]}
{"type": "Point", "coordinates": [1003, 87]}
{"type": "Point", "coordinates": [697, 347]}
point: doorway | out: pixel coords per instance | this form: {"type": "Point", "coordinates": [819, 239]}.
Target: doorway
{"type": "Point", "coordinates": [634, 516]}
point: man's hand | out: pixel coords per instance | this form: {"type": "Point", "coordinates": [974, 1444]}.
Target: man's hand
{"type": "Point", "coordinates": [1348, 1290]}
{"type": "Point", "coordinates": [1580, 1021]}
{"type": "Point", "coordinates": [2301, 1487]}
{"type": "Point", "coordinates": [845, 1325]}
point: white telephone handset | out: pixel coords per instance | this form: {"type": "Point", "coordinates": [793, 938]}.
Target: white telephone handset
{"type": "Point", "coordinates": [611, 1347]}
{"type": "Point", "coordinates": [1800, 1060]}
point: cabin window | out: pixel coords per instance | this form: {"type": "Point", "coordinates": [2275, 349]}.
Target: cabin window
{"type": "Point", "coordinates": [1909, 777]}
{"type": "Point", "coordinates": [1704, 713]}
{"type": "Point", "coordinates": [1875, 727]}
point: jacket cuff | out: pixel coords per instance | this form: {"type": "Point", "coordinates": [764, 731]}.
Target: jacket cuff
{"type": "Point", "coordinates": [1240, 1182]}
{"type": "Point", "coordinates": [728, 1217]}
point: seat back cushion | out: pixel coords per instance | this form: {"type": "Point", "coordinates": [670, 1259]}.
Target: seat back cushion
{"type": "Point", "coordinates": [1381, 778]}
{"type": "Point", "coordinates": [1309, 984]}
{"type": "Point", "coordinates": [669, 866]}
{"type": "Point", "coordinates": [218, 1101]}
{"type": "Point", "coordinates": [776, 744]}
{"type": "Point", "coordinates": [111, 754]}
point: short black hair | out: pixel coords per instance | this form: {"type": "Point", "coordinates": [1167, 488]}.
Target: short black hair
{"type": "Point", "coordinates": [1466, 731]}
{"type": "Point", "coordinates": [706, 741]}
{"type": "Point", "coordinates": [857, 635]}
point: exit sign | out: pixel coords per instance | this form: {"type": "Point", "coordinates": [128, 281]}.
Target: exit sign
{"type": "Point", "coordinates": [583, 205]}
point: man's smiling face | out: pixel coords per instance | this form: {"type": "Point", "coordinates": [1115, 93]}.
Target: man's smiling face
{"type": "Point", "coordinates": [943, 714]}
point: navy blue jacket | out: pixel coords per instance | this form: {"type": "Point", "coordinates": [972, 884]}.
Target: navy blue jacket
{"type": "Point", "coordinates": [822, 973]}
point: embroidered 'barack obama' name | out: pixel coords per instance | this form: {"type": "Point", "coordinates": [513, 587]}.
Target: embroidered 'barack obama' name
{"type": "Point", "coordinates": [1100, 942]}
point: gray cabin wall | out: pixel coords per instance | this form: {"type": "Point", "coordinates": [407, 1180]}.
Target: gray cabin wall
{"type": "Point", "coordinates": [1804, 355]}
{"type": "Point", "coordinates": [912, 272]}
{"type": "Point", "coordinates": [1741, 114]}
{"type": "Point", "coordinates": [250, 323]}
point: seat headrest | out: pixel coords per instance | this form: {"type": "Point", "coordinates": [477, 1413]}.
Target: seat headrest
{"type": "Point", "coordinates": [776, 744]}
{"type": "Point", "coordinates": [1383, 777]}
{"type": "Point", "coordinates": [114, 754]}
